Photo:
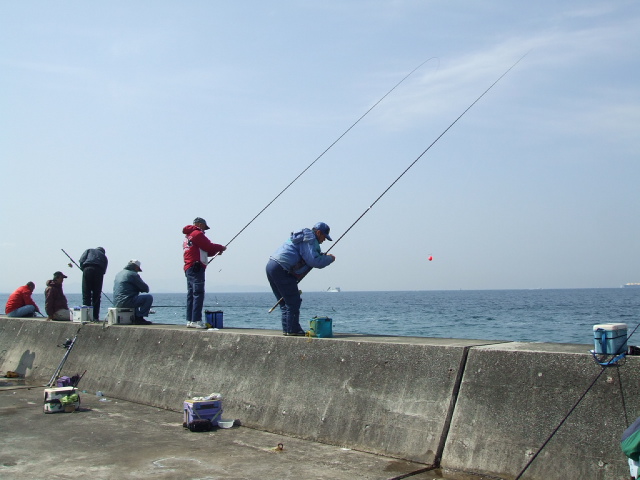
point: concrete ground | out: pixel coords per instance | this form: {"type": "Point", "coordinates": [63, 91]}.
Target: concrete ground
{"type": "Point", "coordinates": [109, 438]}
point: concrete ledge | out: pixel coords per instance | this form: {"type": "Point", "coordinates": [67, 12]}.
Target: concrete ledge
{"type": "Point", "coordinates": [514, 396]}
{"type": "Point", "coordinates": [471, 405]}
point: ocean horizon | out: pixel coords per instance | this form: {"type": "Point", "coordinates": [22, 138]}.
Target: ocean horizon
{"type": "Point", "coordinates": [537, 315]}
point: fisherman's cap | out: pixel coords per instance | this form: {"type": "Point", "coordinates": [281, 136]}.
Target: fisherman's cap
{"type": "Point", "coordinates": [59, 274]}
{"type": "Point", "coordinates": [136, 263]}
{"type": "Point", "coordinates": [101, 249]}
{"type": "Point", "coordinates": [201, 220]}
{"type": "Point", "coordinates": [324, 228]}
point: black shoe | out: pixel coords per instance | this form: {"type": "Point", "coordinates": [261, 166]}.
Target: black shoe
{"type": "Point", "coordinates": [141, 321]}
{"type": "Point", "coordinates": [301, 333]}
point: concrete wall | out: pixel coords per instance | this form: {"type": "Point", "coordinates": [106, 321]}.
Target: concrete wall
{"type": "Point", "coordinates": [476, 406]}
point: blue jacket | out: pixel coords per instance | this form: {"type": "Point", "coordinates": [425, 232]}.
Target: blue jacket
{"type": "Point", "coordinates": [300, 253]}
{"type": "Point", "coordinates": [126, 287]}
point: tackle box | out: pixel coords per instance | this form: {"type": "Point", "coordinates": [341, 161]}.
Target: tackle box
{"type": "Point", "coordinates": [63, 399]}
{"type": "Point", "coordinates": [201, 412]}
{"type": "Point", "coordinates": [610, 338]}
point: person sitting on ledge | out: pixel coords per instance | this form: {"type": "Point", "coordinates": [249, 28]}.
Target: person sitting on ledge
{"type": "Point", "coordinates": [55, 303]}
{"type": "Point", "coordinates": [20, 303]}
{"type": "Point", "coordinates": [126, 292]}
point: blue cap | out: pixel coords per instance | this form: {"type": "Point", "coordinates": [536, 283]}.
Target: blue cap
{"type": "Point", "coordinates": [324, 228]}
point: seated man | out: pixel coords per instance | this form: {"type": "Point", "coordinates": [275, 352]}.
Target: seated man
{"type": "Point", "coordinates": [20, 303]}
{"type": "Point", "coordinates": [55, 303]}
{"type": "Point", "coordinates": [126, 292]}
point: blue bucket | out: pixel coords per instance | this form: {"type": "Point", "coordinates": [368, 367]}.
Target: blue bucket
{"type": "Point", "coordinates": [214, 318]}
{"type": "Point", "coordinates": [321, 327]}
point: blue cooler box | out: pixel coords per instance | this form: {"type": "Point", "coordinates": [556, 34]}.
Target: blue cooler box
{"type": "Point", "coordinates": [202, 410]}
{"type": "Point", "coordinates": [321, 327]}
{"type": "Point", "coordinates": [610, 338]}
{"type": "Point", "coordinates": [214, 318]}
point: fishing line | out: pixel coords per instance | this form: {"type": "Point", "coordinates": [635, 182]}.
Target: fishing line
{"type": "Point", "coordinates": [412, 164]}
{"type": "Point", "coordinates": [74, 262]}
{"type": "Point", "coordinates": [321, 155]}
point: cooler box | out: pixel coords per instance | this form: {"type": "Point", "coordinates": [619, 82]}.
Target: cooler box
{"type": "Point", "coordinates": [64, 399]}
{"type": "Point", "coordinates": [321, 327]}
{"type": "Point", "coordinates": [197, 411]}
{"type": "Point", "coordinates": [121, 316]}
{"type": "Point", "coordinates": [610, 338]}
{"type": "Point", "coordinates": [214, 318]}
{"type": "Point", "coordinates": [82, 314]}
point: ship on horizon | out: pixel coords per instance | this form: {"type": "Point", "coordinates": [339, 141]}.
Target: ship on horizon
{"type": "Point", "coordinates": [631, 285]}
{"type": "Point", "coordinates": [333, 289]}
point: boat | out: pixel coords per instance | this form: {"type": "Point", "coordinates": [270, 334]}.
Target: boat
{"type": "Point", "coordinates": [631, 285]}
{"type": "Point", "coordinates": [333, 289]}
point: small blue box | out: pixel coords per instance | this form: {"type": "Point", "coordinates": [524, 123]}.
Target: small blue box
{"type": "Point", "coordinates": [321, 327]}
{"type": "Point", "coordinates": [610, 338]}
{"type": "Point", "coordinates": [214, 318]}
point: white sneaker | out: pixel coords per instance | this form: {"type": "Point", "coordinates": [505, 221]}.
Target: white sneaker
{"type": "Point", "coordinates": [199, 325]}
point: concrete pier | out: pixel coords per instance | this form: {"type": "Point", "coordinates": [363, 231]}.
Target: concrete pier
{"type": "Point", "coordinates": [473, 406]}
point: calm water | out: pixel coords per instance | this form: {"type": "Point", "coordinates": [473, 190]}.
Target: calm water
{"type": "Point", "coordinates": [563, 316]}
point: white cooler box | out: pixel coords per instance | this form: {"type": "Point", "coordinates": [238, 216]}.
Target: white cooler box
{"type": "Point", "coordinates": [610, 338]}
{"type": "Point", "coordinates": [82, 314]}
{"type": "Point", "coordinates": [62, 399]}
{"type": "Point", "coordinates": [121, 316]}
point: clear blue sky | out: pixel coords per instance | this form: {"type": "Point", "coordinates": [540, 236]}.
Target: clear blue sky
{"type": "Point", "coordinates": [122, 121]}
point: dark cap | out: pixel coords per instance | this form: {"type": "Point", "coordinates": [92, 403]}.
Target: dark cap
{"type": "Point", "coordinates": [324, 228]}
{"type": "Point", "coordinates": [201, 220]}
{"type": "Point", "coordinates": [59, 274]}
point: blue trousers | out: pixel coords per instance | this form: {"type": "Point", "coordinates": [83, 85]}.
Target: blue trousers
{"type": "Point", "coordinates": [285, 286]}
{"type": "Point", "coordinates": [24, 311]}
{"type": "Point", "coordinates": [195, 293]}
{"type": "Point", "coordinates": [143, 304]}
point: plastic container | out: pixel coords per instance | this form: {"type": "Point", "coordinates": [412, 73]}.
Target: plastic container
{"type": "Point", "coordinates": [225, 423]}
{"type": "Point", "coordinates": [321, 327]}
{"type": "Point", "coordinates": [215, 319]}
{"type": "Point", "coordinates": [610, 338]}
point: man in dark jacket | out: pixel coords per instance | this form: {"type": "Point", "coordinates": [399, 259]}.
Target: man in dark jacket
{"type": "Point", "coordinates": [93, 264]}
{"type": "Point", "coordinates": [55, 303]}
{"type": "Point", "coordinates": [197, 248]}
{"type": "Point", "coordinates": [126, 292]}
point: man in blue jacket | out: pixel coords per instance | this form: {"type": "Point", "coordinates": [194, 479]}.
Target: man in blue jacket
{"type": "Point", "coordinates": [126, 292]}
{"type": "Point", "coordinates": [289, 264]}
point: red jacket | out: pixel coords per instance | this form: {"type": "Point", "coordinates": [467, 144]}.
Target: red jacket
{"type": "Point", "coordinates": [20, 298]}
{"type": "Point", "coordinates": [197, 247]}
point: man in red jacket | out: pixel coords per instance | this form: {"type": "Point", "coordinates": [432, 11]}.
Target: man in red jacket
{"type": "Point", "coordinates": [20, 303]}
{"type": "Point", "coordinates": [197, 248]}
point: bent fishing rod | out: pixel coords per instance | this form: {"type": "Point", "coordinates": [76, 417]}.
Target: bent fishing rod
{"type": "Point", "coordinates": [74, 262]}
{"type": "Point", "coordinates": [321, 155]}
{"type": "Point", "coordinates": [409, 167]}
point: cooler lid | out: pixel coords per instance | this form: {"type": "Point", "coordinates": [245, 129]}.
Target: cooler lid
{"type": "Point", "coordinates": [610, 326]}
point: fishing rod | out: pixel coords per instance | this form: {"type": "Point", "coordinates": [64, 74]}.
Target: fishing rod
{"type": "Point", "coordinates": [68, 345]}
{"type": "Point", "coordinates": [74, 262]}
{"type": "Point", "coordinates": [321, 155]}
{"type": "Point", "coordinates": [409, 167]}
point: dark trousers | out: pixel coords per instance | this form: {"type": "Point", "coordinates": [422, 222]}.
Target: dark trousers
{"type": "Point", "coordinates": [285, 286]}
{"type": "Point", "coordinates": [92, 289]}
{"type": "Point", "coordinates": [195, 292]}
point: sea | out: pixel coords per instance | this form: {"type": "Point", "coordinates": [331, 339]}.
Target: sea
{"type": "Point", "coordinates": [545, 315]}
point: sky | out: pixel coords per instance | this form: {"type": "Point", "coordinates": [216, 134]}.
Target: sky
{"type": "Point", "coordinates": [122, 121]}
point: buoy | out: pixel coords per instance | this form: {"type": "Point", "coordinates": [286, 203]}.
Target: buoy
{"type": "Point", "coordinates": [430, 258]}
